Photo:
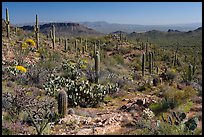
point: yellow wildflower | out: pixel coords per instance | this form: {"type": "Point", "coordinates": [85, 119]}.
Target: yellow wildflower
{"type": "Point", "coordinates": [21, 68]}
{"type": "Point", "coordinates": [85, 61]}
{"type": "Point", "coordinates": [24, 45]}
{"type": "Point", "coordinates": [30, 42]}
{"type": "Point", "coordinates": [83, 66]}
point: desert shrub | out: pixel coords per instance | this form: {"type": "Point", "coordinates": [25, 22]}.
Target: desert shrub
{"type": "Point", "coordinates": [171, 75]}
{"type": "Point", "coordinates": [162, 106]}
{"type": "Point", "coordinates": [119, 59]}
{"type": "Point", "coordinates": [39, 109]}
{"type": "Point", "coordinates": [178, 97]}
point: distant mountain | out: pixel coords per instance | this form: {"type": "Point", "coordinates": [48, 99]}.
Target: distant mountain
{"type": "Point", "coordinates": [105, 27]}
{"type": "Point", "coordinates": [120, 32]}
{"type": "Point", "coordinates": [66, 29]}
{"type": "Point", "coordinates": [170, 37]}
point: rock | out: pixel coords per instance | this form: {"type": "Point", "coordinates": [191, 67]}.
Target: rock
{"type": "Point", "coordinates": [71, 111]}
{"type": "Point", "coordinates": [139, 102]}
{"type": "Point", "coordinates": [125, 99]}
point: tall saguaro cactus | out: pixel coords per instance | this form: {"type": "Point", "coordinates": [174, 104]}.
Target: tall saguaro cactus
{"type": "Point", "coordinates": [95, 49]}
{"type": "Point", "coordinates": [97, 66]}
{"type": "Point", "coordinates": [190, 71]}
{"type": "Point", "coordinates": [7, 24]}
{"type": "Point", "coordinates": [37, 32]}
{"type": "Point", "coordinates": [53, 36]}
{"type": "Point", "coordinates": [150, 63]}
{"type": "Point", "coordinates": [143, 64]}
{"type": "Point", "coordinates": [76, 45]}
{"type": "Point", "coordinates": [86, 45]}
{"type": "Point", "coordinates": [65, 44]}
{"type": "Point", "coordinates": [146, 51]}
{"type": "Point", "coordinates": [175, 59]}
{"type": "Point", "coordinates": [62, 103]}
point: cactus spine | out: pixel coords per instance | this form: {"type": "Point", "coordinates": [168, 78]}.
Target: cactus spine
{"type": "Point", "coordinates": [62, 103]}
{"type": "Point", "coordinates": [143, 64]}
{"type": "Point", "coordinates": [7, 24]}
{"type": "Point", "coordinates": [37, 32]}
{"type": "Point", "coordinates": [97, 66]}
{"type": "Point", "coordinates": [53, 36]}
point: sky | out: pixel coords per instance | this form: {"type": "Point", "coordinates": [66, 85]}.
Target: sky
{"type": "Point", "coordinates": [144, 13]}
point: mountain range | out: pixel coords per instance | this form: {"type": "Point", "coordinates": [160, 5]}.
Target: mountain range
{"type": "Point", "coordinates": [104, 27]}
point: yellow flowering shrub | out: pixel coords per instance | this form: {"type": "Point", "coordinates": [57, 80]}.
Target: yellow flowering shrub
{"type": "Point", "coordinates": [24, 45]}
{"type": "Point", "coordinates": [30, 42]}
{"type": "Point", "coordinates": [21, 68]}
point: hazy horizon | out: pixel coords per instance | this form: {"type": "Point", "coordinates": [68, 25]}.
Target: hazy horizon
{"type": "Point", "coordinates": [139, 13]}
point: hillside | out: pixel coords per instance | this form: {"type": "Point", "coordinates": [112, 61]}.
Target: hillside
{"type": "Point", "coordinates": [101, 85]}
{"type": "Point", "coordinates": [66, 29]}
{"type": "Point", "coordinates": [171, 37]}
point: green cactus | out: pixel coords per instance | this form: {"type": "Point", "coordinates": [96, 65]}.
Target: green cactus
{"type": "Point", "coordinates": [7, 24]}
{"type": "Point", "coordinates": [16, 30]}
{"type": "Point", "coordinates": [157, 70]}
{"type": "Point", "coordinates": [190, 67]}
{"type": "Point", "coordinates": [95, 49]}
{"type": "Point", "coordinates": [99, 46]}
{"type": "Point", "coordinates": [53, 36]}
{"type": "Point", "coordinates": [62, 103]}
{"type": "Point", "coordinates": [59, 41]}
{"type": "Point", "coordinates": [193, 69]}
{"type": "Point", "coordinates": [150, 63]}
{"type": "Point", "coordinates": [65, 44]}
{"type": "Point", "coordinates": [97, 66]}
{"type": "Point", "coordinates": [191, 124]}
{"type": "Point", "coordinates": [175, 59]}
{"type": "Point", "coordinates": [37, 32]}
{"type": "Point", "coordinates": [170, 120]}
{"type": "Point", "coordinates": [83, 49]}
{"type": "Point", "coordinates": [86, 45]}
{"type": "Point", "coordinates": [120, 36]}
{"type": "Point", "coordinates": [146, 51]}
{"type": "Point", "coordinates": [75, 44]}
{"type": "Point", "coordinates": [143, 64]}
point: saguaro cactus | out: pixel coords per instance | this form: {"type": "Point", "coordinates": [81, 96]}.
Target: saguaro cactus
{"type": "Point", "coordinates": [65, 44]}
{"type": "Point", "coordinates": [150, 63]}
{"type": "Point", "coordinates": [37, 32]}
{"type": "Point", "coordinates": [76, 45]}
{"type": "Point", "coordinates": [97, 66]}
{"type": "Point", "coordinates": [62, 103]}
{"type": "Point", "coordinates": [7, 23]}
{"type": "Point", "coordinates": [143, 64]}
{"type": "Point", "coordinates": [146, 51]}
{"type": "Point", "coordinates": [53, 36]}
{"type": "Point", "coordinates": [16, 30]}
{"type": "Point", "coordinates": [86, 45]}
{"type": "Point", "coordinates": [95, 48]}
{"type": "Point", "coordinates": [190, 67]}
{"type": "Point", "coordinates": [175, 59]}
